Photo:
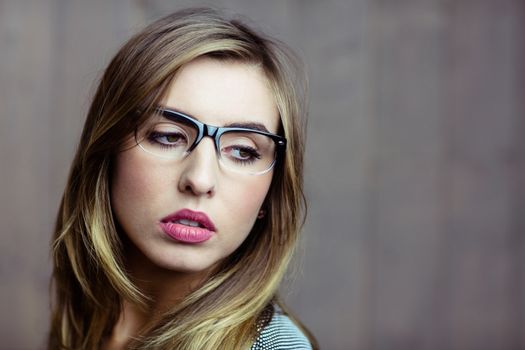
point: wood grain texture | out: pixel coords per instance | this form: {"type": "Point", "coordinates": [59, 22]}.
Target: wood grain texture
{"type": "Point", "coordinates": [415, 160]}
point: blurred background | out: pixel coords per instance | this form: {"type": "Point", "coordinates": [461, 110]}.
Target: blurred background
{"type": "Point", "coordinates": [415, 169]}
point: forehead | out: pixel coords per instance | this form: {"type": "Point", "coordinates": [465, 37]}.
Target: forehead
{"type": "Point", "coordinates": [223, 92]}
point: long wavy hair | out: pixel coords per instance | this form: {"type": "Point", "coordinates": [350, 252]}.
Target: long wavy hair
{"type": "Point", "coordinates": [89, 275]}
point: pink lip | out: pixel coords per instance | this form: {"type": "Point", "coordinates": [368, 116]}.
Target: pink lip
{"type": "Point", "coordinates": [188, 234]}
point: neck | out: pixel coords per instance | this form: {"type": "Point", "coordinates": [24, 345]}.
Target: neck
{"type": "Point", "coordinates": [164, 288]}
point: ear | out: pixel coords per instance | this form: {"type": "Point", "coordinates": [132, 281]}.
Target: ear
{"type": "Point", "coordinates": [262, 214]}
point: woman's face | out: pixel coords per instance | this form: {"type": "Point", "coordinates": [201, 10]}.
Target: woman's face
{"type": "Point", "coordinates": [147, 190]}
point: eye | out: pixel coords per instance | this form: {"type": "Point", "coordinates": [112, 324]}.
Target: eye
{"type": "Point", "coordinates": [243, 154]}
{"type": "Point", "coordinates": [168, 139]}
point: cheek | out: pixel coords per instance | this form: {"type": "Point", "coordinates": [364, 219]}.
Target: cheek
{"type": "Point", "coordinates": [245, 199]}
{"type": "Point", "coordinates": [132, 185]}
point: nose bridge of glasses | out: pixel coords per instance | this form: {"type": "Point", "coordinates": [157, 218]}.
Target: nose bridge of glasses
{"type": "Point", "coordinates": [206, 130]}
{"type": "Point", "coordinates": [211, 131]}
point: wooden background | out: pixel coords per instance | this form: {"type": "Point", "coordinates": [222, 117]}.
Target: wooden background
{"type": "Point", "coordinates": [415, 162]}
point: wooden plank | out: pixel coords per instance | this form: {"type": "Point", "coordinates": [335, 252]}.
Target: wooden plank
{"type": "Point", "coordinates": [479, 302]}
{"type": "Point", "coordinates": [404, 218]}
{"type": "Point", "coordinates": [25, 64]}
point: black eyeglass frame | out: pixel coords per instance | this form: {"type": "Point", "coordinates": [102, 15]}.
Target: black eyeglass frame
{"type": "Point", "coordinates": [215, 132]}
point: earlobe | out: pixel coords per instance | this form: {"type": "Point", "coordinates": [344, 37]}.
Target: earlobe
{"type": "Point", "coordinates": [262, 214]}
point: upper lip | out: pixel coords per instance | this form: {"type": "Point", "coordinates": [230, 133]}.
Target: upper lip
{"type": "Point", "coordinates": [189, 214]}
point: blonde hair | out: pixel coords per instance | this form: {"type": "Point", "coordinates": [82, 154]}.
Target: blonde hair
{"type": "Point", "coordinates": [89, 273]}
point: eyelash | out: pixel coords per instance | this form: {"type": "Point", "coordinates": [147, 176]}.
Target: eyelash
{"type": "Point", "coordinates": [254, 155]}
{"type": "Point", "coordinates": [155, 135]}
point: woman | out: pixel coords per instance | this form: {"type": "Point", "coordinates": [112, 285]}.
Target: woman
{"type": "Point", "coordinates": [184, 200]}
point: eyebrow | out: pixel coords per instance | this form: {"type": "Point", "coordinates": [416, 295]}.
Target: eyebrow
{"type": "Point", "coordinates": [246, 125]}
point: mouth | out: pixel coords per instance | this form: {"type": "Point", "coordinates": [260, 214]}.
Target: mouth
{"type": "Point", "coordinates": [190, 218]}
{"type": "Point", "coordinates": [187, 222]}
{"type": "Point", "coordinates": [188, 226]}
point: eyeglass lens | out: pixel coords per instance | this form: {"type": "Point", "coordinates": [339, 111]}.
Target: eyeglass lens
{"type": "Point", "coordinates": [242, 151]}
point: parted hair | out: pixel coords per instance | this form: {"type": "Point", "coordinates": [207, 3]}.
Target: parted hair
{"type": "Point", "coordinates": [90, 279]}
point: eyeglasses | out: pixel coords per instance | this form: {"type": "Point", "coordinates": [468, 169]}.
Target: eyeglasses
{"type": "Point", "coordinates": [173, 135]}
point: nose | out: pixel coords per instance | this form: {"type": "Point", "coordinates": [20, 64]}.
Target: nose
{"type": "Point", "coordinates": [199, 170]}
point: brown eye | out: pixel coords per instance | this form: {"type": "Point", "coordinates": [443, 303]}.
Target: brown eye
{"type": "Point", "coordinates": [173, 138]}
{"type": "Point", "coordinates": [241, 153]}
{"type": "Point", "coordinates": [168, 139]}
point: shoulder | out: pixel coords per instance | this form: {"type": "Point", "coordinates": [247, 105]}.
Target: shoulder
{"type": "Point", "coordinates": [281, 334]}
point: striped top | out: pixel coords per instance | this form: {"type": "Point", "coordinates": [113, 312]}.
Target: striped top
{"type": "Point", "coordinates": [281, 334]}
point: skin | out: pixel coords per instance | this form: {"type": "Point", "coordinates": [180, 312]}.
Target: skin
{"type": "Point", "coordinates": [146, 189]}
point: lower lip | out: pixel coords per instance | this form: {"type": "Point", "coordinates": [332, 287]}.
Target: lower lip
{"type": "Point", "coordinates": [186, 234]}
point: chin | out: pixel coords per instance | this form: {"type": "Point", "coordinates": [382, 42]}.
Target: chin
{"type": "Point", "coordinates": [184, 264]}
